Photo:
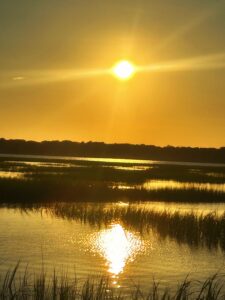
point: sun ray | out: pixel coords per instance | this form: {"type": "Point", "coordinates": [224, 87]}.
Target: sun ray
{"type": "Point", "coordinates": [123, 70]}
{"type": "Point", "coordinates": [204, 62]}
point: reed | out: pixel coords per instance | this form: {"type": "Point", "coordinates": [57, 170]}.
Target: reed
{"type": "Point", "coordinates": [98, 181]}
{"type": "Point", "coordinates": [195, 230]}
{"type": "Point", "coordinates": [52, 287]}
{"type": "Point", "coordinates": [58, 188]}
{"type": "Point", "coordinates": [206, 230]}
{"type": "Point", "coordinates": [122, 172]}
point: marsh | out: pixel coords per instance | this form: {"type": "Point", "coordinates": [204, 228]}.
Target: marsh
{"type": "Point", "coordinates": [104, 218]}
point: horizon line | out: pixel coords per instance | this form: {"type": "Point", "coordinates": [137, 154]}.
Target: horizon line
{"type": "Point", "coordinates": [110, 143]}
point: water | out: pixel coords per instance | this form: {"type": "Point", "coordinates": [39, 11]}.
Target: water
{"type": "Point", "coordinates": [156, 185]}
{"type": "Point", "coordinates": [110, 160]}
{"type": "Point", "coordinates": [125, 255]}
{"type": "Point", "coordinates": [11, 174]}
{"type": "Point", "coordinates": [176, 185]}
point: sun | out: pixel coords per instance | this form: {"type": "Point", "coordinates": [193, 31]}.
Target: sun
{"type": "Point", "coordinates": [123, 70]}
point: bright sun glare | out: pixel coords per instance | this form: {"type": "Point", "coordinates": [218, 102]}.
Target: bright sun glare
{"type": "Point", "coordinates": [118, 246]}
{"type": "Point", "coordinates": [124, 70]}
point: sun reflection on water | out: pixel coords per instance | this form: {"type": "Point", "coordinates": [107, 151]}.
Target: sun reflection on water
{"type": "Point", "coordinates": [118, 247]}
{"type": "Point", "coordinates": [11, 174]}
{"type": "Point", "coordinates": [176, 185]}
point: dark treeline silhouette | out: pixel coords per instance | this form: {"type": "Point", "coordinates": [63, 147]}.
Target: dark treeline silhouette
{"type": "Point", "coordinates": [100, 149]}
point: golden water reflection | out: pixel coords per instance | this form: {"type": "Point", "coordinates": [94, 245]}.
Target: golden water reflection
{"type": "Point", "coordinates": [176, 185]}
{"type": "Point", "coordinates": [10, 174]}
{"type": "Point", "coordinates": [155, 185]}
{"type": "Point", "coordinates": [41, 164]}
{"type": "Point", "coordinates": [132, 168]}
{"type": "Point", "coordinates": [118, 247]}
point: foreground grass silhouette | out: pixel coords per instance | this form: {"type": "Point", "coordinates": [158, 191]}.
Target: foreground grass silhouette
{"type": "Point", "coordinates": [41, 287]}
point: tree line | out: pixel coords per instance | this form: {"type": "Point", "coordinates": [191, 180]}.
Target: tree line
{"type": "Point", "coordinates": [100, 149]}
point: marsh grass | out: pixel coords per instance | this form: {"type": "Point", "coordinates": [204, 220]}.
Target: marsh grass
{"type": "Point", "coordinates": [98, 171]}
{"type": "Point", "coordinates": [23, 286]}
{"type": "Point", "coordinates": [193, 229]}
{"type": "Point", "coordinates": [59, 188]}
{"type": "Point", "coordinates": [93, 181]}
{"type": "Point", "coordinates": [206, 230]}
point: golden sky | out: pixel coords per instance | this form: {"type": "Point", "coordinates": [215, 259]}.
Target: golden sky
{"type": "Point", "coordinates": [181, 102]}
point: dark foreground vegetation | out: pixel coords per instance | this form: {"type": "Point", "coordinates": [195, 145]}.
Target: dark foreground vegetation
{"type": "Point", "coordinates": [98, 149]}
{"type": "Point", "coordinates": [41, 287]}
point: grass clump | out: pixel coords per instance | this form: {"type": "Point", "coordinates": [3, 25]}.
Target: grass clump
{"type": "Point", "coordinates": [207, 230]}
{"type": "Point", "coordinates": [41, 287]}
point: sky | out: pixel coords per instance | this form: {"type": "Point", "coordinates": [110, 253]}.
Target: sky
{"type": "Point", "coordinates": [180, 103]}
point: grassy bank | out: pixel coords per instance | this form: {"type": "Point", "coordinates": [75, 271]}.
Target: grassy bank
{"type": "Point", "coordinates": [39, 287]}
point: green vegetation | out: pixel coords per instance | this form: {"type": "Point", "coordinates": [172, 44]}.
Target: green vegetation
{"type": "Point", "coordinates": [41, 287]}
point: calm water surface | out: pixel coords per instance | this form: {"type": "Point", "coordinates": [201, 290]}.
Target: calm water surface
{"type": "Point", "coordinates": [123, 255]}
{"type": "Point", "coordinates": [111, 160]}
{"type": "Point", "coordinates": [155, 185]}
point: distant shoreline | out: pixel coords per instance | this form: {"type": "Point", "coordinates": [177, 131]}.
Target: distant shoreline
{"type": "Point", "coordinates": [112, 151]}
{"type": "Point", "coordinates": [111, 160]}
